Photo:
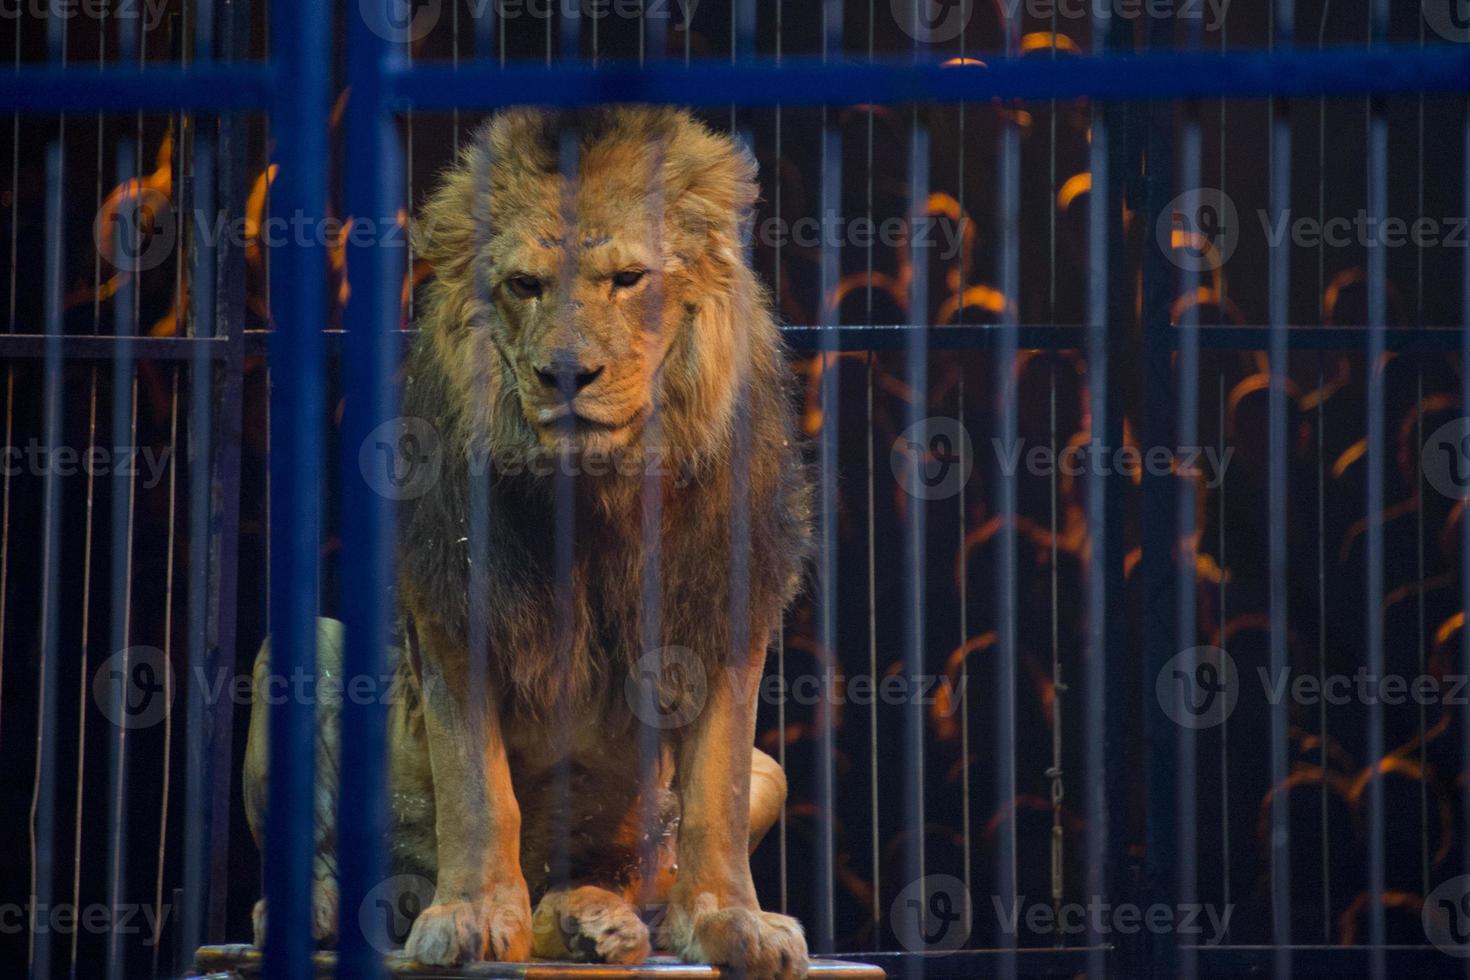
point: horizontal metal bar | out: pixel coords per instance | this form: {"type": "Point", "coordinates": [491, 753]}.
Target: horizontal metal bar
{"type": "Point", "coordinates": [204, 87]}
{"type": "Point", "coordinates": [808, 81]}
{"type": "Point", "coordinates": [104, 346]}
{"type": "Point", "coordinates": [1326, 961]}
{"type": "Point", "coordinates": [796, 81]}
{"type": "Point", "coordinates": [883, 337]}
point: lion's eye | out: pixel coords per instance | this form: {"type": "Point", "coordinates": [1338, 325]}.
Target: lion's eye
{"type": "Point", "coordinates": [524, 287]}
{"type": "Point", "coordinates": [628, 278]}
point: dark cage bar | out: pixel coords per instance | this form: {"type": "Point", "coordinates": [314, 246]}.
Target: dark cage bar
{"type": "Point", "coordinates": [1126, 350]}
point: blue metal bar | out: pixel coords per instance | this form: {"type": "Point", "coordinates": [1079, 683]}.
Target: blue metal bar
{"type": "Point", "coordinates": [1005, 386]}
{"type": "Point", "coordinates": [194, 882]}
{"type": "Point", "coordinates": [371, 354]}
{"type": "Point", "coordinates": [43, 884]}
{"type": "Point", "coordinates": [1097, 619]}
{"type": "Point", "coordinates": [299, 42]}
{"type": "Point", "coordinates": [1376, 461]}
{"type": "Point", "coordinates": [217, 87]}
{"type": "Point", "coordinates": [829, 203]}
{"type": "Point", "coordinates": [807, 81]}
{"type": "Point", "coordinates": [798, 81]}
{"type": "Point", "coordinates": [1278, 289]}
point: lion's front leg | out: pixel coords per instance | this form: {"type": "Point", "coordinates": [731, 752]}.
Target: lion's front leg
{"type": "Point", "coordinates": [481, 907]}
{"type": "Point", "coordinates": [713, 914]}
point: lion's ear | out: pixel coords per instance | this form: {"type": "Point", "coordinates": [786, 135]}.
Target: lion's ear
{"type": "Point", "coordinates": [446, 233]}
{"type": "Point", "coordinates": [709, 179]}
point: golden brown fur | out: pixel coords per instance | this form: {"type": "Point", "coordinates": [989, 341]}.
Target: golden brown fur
{"type": "Point", "coordinates": [609, 390]}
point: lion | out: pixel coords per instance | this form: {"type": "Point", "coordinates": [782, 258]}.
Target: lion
{"type": "Point", "coordinates": [592, 302]}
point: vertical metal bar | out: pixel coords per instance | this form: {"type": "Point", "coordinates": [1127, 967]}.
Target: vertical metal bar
{"type": "Point", "coordinates": [370, 356]}
{"type": "Point", "coordinates": [84, 684]}
{"type": "Point", "coordinates": [43, 801]}
{"type": "Point", "coordinates": [1185, 758]}
{"type": "Point", "coordinates": [1098, 488]}
{"type": "Point", "coordinates": [1376, 460]}
{"type": "Point", "coordinates": [1004, 382]}
{"type": "Point", "coordinates": [221, 606]}
{"type": "Point", "coordinates": [1157, 517]}
{"type": "Point", "coordinates": [1464, 564]}
{"type": "Point", "coordinates": [829, 205]}
{"type": "Point", "coordinates": [204, 258]}
{"type": "Point", "coordinates": [1279, 289]}
{"type": "Point", "coordinates": [299, 113]}
{"type": "Point", "coordinates": [916, 370]}
{"type": "Point", "coordinates": [124, 425]}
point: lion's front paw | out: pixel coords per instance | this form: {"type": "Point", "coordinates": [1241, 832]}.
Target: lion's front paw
{"type": "Point", "coordinates": [497, 927]}
{"type": "Point", "coordinates": [590, 924]}
{"type": "Point", "coordinates": [757, 945]}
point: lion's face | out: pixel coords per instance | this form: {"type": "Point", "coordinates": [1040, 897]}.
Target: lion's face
{"type": "Point", "coordinates": [583, 317]}
{"type": "Point", "coordinates": [591, 291]}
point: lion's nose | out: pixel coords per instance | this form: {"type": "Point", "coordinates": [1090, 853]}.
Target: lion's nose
{"type": "Point", "coordinates": [567, 374]}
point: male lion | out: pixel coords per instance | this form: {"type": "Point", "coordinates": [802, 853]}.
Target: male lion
{"type": "Point", "coordinates": [609, 317]}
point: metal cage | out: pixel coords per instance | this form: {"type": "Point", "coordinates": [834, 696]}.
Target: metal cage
{"type": "Point", "coordinates": [1140, 787]}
